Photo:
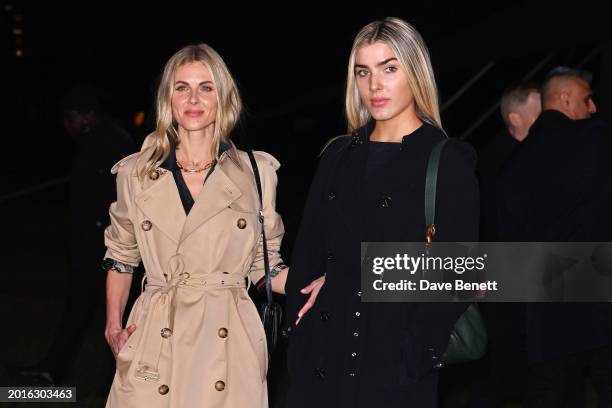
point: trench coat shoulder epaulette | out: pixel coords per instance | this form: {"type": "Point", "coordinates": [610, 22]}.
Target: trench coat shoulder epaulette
{"type": "Point", "coordinates": [125, 162]}
{"type": "Point", "coordinates": [262, 158]}
{"type": "Point", "coordinates": [136, 161]}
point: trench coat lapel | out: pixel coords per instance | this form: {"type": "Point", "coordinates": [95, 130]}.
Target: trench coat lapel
{"type": "Point", "coordinates": [217, 194]}
{"type": "Point", "coordinates": [160, 202]}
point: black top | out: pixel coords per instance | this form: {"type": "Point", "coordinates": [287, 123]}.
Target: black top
{"type": "Point", "coordinates": [491, 158]}
{"type": "Point", "coordinates": [381, 153]}
{"type": "Point", "coordinates": [170, 164]}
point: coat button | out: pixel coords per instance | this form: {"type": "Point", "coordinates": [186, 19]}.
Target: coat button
{"type": "Point", "coordinates": [330, 256]}
{"type": "Point", "coordinates": [219, 386]}
{"type": "Point", "coordinates": [222, 332]}
{"type": "Point", "coordinates": [154, 174]}
{"type": "Point", "coordinates": [331, 196]}
{"type": "Point", "coordinates": [324, 316]}
{"type": "Point", "coordinates": [166, 332]}
{"type": "Point", "coordinates": [241, 223]}
{"type": "Point", "coordinates": [385, 201]}
{"type": "Point", "coordinates": [146, 225]}
{"type": "Point", "coordinates": [163, 389]}
{"type": "Point", "coordinates": [319, 372]}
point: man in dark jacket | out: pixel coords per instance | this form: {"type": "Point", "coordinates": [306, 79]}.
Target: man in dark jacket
{"type": "Point", "coordinates": [503, 378]}
{"type": "Point", "coordinates": [557, 187]}
{"type": "Point", "coordinates": [99, 143]}
{"type": "Point", "coordinates": [520, 106]}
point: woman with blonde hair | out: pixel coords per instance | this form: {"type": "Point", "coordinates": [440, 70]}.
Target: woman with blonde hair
{"type": "Point", "coordinates": [188, 207]}
{"type": "Point", "coordinates": [370, 187]}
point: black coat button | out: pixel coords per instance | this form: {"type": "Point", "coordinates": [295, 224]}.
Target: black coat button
{"type": "Point", "coordinates": [325, 316]}
{"type": "Point", "coordinates": [319, 372]}
{"type": "Point", "coordinates": [331, 196]}
{"type": "Point", "coordinates": [385, 201]}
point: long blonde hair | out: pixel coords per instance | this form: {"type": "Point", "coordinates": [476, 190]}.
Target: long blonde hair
{"type": "Point", "coordinates": [229, 104]}
{"type": "Point", "coordinates": [413, 56]}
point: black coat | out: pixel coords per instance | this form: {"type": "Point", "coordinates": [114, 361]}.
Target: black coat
{"type": "Point", "coordinates": [491, 158]}
{"type": "Point", "coordinates": [345, 353]}
{"type": "Point", "coordinates": [557, 186]}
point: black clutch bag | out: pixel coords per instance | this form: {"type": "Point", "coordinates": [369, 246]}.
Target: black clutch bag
{"type": "Point", "coordinates": [271, 312]}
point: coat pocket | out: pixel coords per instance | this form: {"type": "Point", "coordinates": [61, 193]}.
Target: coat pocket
{"type": "Point", "coordinates": [255, 333]}
{"type": "Point", "coordinates": [126, 355]}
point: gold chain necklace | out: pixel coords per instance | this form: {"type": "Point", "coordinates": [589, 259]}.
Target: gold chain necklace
{"type": "Point", "coordinates": [196, 170]}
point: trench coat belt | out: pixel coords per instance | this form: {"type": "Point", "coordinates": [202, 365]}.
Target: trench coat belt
{"type": "Point", "coordinates": [162, 307]}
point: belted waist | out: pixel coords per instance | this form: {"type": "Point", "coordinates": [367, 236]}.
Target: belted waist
{"type": "Point", "coordinates": [162, 304]}
{"type": "Point", "coordinates": [209, 280]}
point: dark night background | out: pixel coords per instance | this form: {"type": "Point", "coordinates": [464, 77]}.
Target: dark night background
{"type": "Point", "coordinates": [290, 63]}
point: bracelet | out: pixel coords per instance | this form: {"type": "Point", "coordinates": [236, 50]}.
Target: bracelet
{"type": "Point", "coordinates": [277, 269]}
{"type": "Point", "coordinates": [109, 263]}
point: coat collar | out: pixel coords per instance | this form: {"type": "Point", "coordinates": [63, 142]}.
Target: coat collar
{"type": "Point", "coordinates": [161, 204]}
{"type": "Point", "coordinates": [218, 193]}
{"type": "Point", "coordinates": [360, 136]}
{"type": "Point", "coordinates": [552, 118]}
{"type": "Point", "coordinates": [226, 149]}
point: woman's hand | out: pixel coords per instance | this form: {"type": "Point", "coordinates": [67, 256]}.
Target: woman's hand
{"type": "Point", "coordinates": [117, 337]}
{"type": "Point", "coordinates": [314, 288]}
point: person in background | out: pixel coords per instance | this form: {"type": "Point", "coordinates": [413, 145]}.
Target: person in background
{"type": "Point", "coordinates": [99, 141]}
{"type": "Point", "coordinates": [520, 105]}
{"type": "Point", "coordinates": [502, 374]}
{"type": "Point", "coordinates": [557, 188]}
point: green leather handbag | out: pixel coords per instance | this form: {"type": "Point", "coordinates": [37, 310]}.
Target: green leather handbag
{"type": "Point", "coordinates": [468, 341]}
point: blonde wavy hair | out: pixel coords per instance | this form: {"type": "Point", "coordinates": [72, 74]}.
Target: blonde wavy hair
{"type": "Point", "coordinates": [413, 56]}
{"type": "Point", "coordinates": [229, 104]}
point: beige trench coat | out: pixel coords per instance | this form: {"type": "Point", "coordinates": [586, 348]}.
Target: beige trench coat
{"type": "Point", "coordinates": [199, 341]}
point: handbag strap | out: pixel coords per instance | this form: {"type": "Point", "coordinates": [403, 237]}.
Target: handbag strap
{"type": "Point", "coordinates": [431, 181]}
{"type": "Point", "coordinates": [263, 229]}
